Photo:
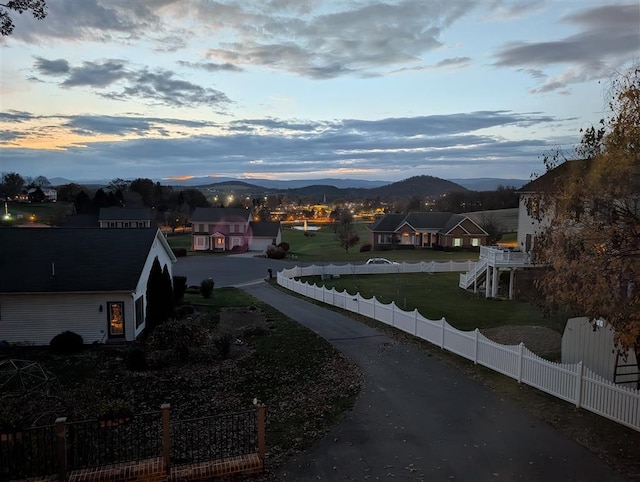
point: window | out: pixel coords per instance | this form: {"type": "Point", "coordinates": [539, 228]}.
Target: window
{"type": "Point", "coordinates": [115, 314]}
{"type": "Point", "coordinates": [475, 242]}
{"type": "Point", "coordinates": [139, 311]}
{"type": "Point", "coordinates": [384, 239]}
{"type": "Point", "coordinates": [457, 242]}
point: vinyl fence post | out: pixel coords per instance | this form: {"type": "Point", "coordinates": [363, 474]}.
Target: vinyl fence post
{"type": "Point", "coordinates": [166, 437]}
{"type": "Point", "coordinates": [475, 349]}
{"type": "Point", "coordinates": [61, 447]}
{"type": "Point", "coordinates": [393, 313]}
{"type": "Point", "coordinates": [262, 432]}
{"type": "Point", "coordinates": [415, 322]}
{"type": "Point", "coordinates": [579, 375]}
{"type": "Point", "coordinates": [442, 333]}
{"type": "Point", "coordinates": [520, 352]}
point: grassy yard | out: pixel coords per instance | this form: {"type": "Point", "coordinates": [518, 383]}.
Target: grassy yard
{"type": "Point", "coordinates": [438, 295]}
{"type": "Point", "coordinates": [179, 240]}
{"type": "Point", "coordinates": [323, 247]}
{"type": "Point", "coordinates": [23, 213]}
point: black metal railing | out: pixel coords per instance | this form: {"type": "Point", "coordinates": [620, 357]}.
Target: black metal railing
{"type": "Point", "coordinates": [28, 452]}
{"type": "Point", "coordinates": [214, 438]}
{"type": "Point", "coordinates": [67, 446]}
{"type": "Point", "coordinates": [94, 443]}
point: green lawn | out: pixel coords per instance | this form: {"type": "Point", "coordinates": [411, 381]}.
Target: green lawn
{"type": "Point", "coordinates": [179, 240]}
{"type": "Point", "coordinates": [438, 295]}
{"type": "Point", "coordinates": [44, 212]}
{"type": "Point", "coordinates": [323, 247]}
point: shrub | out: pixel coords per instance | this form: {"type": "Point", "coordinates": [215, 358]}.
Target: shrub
{"type": "Point", "coordinates": [179, 252]}
{"type": "Point", "coordinates": [274, 252]}
{"type": "Point", "coordinates": [223, 345]}
{"type": "Point", "coordinates": [206, 287]}
{"type": "Point", "coordinates": [284, 246]}
{"type": "Point", "coordinates": [179, 335]}
{"type": "Point", "coordinates": [179, 288]}
{"type": "Point", "coordinates": [67, 342]}
{"type": "Point", "coordinates": [365, 247]}
{"type": "Point", "coordinates": [136, 359]}
{"type": "Point", "coordinates": [184, 310]}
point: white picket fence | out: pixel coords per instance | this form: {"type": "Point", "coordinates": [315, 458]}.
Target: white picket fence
{"type": "Point", "coordinates": [573, 383]}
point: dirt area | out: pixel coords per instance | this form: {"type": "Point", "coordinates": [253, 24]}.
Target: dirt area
{"type": "Point", "coordinates": [542, 341]}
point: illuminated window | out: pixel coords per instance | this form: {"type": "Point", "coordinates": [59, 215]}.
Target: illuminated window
{"type": "Point", "coordinates": [115, 313]}
{"type": "Point", "coordinates": [457, 242]}
{"type": "Point", "coordinates": [475, 242]}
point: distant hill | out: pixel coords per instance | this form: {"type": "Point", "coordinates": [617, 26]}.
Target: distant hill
{"type": "Point", "coordinates": [489, 183]}
{"type": "Point", "coordinates": [421, 186]}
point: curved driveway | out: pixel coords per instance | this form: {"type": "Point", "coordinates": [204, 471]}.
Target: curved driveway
{"type": "Point", "coordinates": [418, 419]}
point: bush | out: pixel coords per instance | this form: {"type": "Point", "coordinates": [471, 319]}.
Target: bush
{"type": "Point", "coordinates": [274, 252]}
{"type": "Point", "coordinates": [184, 310]}
{"type": "Point", "coordinates": [66, 343]}
{"type": "Point", "coordinates": [179, 252]}
{"type": "Point", "coordinates": [365, 247]}
{"type": "Point", "coordinates": [284, 246]}
{"type": "Point", "coordinates": [179, 335]}
{"type": "Point", "coordinates": [240, 248]}
{"type": "Point", "coordinates": [136, 359]}
{"type": "Point", "coordinates": [206, 287]}
{"type": "Point", "coordinates": [179, 288]}
{"type": "Point", "coordinates": [223, 345]}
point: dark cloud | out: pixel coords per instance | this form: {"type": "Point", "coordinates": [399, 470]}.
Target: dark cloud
{"type": "Point", "coordinates": [161, 86]}
{"type": "Point", "coordinates": [15, 116]}
{"type": "Point", "coordinates": [212, 67]}
{"type": "Point", "coordinates": [610, 36]}
{"type": "Point", "coordinates": [122, 125]}
{"type": "Point", "coordinates": [359, 39]}
{"type": "Point", "coordinates": [429, 144]}
{"type": "Point", "coordinates": [52, 67]}
{"type": "Point", "coordinates": [96, 74]}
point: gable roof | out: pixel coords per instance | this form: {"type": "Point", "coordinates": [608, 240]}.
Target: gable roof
{"type": "Point", "coordinates": [435, 221]}
{"type": "Point", "coordinates": [265, 229]}
{"type": "Point", "coordinates": [558, 174]}
{"type": "Point", "coordinates": [74, 259]}
{"type": "Point", "coordinates": [216, 215]}
{"type": "Point", "coordinates": [124, 214]}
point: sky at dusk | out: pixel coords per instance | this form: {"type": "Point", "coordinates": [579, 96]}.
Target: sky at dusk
{"type": "Point", "coordinates": [307, 89]}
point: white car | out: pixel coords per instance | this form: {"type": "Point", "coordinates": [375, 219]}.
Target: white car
{"type": "Point", "coordinates": [380, 261]}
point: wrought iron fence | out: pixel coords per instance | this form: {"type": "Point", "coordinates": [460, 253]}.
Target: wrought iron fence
{"type": "Point", "coordinates": [94, 443]}
{"type": "Point", "coordinates": [214, 438]}
{"type": "Point", "coordinates": [28, 453]}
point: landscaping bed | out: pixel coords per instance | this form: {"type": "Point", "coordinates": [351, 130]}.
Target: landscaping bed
{"type": "Point", "coordinates": [214, 361]}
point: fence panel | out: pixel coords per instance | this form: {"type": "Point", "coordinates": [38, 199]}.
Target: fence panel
{"type": "Point", "coordinates": [462, 343]}
{"type": "Point", "coordinates": [501, 358]}
{"type": "Point", "coordinates": [95, 443]}
{"type": "Point", "coordinates": [404, 320]}
{"type": "Point", "coordinates": [28, 453]}
{"type": "Point", "coordinates": [554, 378]}
{"type": "Point", "coordinates": [214, 438]}
{"type": "Point", "coordinates": [615, 402]}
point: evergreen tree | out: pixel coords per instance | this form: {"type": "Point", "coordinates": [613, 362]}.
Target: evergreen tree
{"type": "Point", "coordinates": [155, 294]}
{"type": "Point", "coordinates": [167, 288]}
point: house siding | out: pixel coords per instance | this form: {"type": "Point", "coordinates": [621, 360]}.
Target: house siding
{"type": "Point", "coordinates": [36, 318]}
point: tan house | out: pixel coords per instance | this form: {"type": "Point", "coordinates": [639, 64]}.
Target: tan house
{"type": "Point", "coordinates": [437, 230]}
{"type": "Point", "coordinates": [90, 281]}
{"type": "Point", "coordinates": [231, 229]}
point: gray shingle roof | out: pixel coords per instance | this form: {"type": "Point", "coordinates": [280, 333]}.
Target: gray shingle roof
{"type": "Point", "coordinates": [214, 215]}
{"type": "Point", "coordinates": [437, 221]}
{"type": "Point", "coordinates": [82, 259]}
{"type": "Point", "coordinates": [265, 229]}
{"type": "Point", "coordinates": [125, 214]}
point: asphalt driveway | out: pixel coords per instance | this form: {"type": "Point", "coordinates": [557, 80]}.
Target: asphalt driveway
{"type": "Point", "coordinates": [418, 419]}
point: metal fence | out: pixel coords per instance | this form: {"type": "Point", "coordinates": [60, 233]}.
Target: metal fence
{"type": "Point", "coordinates": [68, 446]}
{"type": "Point", "coordinates": [28, 453]}
{"type": "Point", "coordinates": [574, 383]}
{"type": "Point", "coordinates": [214, 438]}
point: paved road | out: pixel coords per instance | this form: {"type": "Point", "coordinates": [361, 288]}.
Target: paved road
{"type": "Point", "coordinates": [418, 419]}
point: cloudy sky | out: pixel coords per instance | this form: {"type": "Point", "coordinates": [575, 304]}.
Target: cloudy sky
{"type": "Point", "coordinates": [307, 89]}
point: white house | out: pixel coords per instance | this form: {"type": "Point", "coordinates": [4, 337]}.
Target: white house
{"type": "Point", "coordinates": [89, 281]}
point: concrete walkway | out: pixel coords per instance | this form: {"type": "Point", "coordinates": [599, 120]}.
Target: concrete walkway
{"type": "Point", "coordinates": [420, 420]}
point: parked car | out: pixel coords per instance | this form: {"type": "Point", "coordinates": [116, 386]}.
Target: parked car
{"type": "Point", "coordinates": [380, 261]}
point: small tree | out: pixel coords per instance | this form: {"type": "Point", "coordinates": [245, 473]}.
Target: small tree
{"type": "Point", "coordinates": [179, 288]}
{"type": "Point", "coordinates": [206, 287]}
{"type": "Point", "coordinates": [155, 293]}
{"type": "Point", "coordinates": [167, 288]}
